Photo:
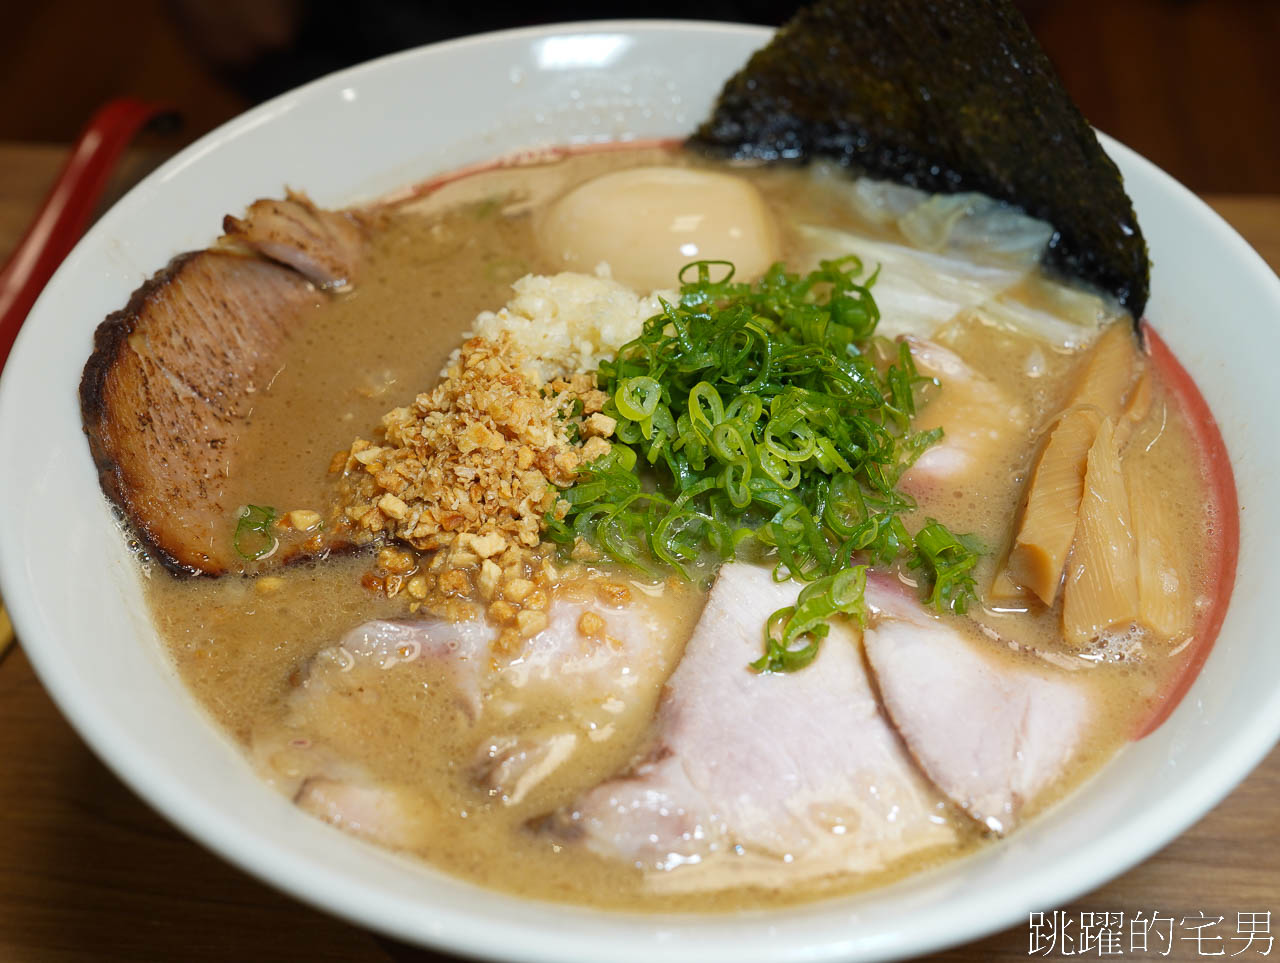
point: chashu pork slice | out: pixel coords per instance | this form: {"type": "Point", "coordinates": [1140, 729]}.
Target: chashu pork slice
{"type": "Point", "coordinates": [578, 685]}
{"type": "Point", "coordinates": [323, 246]}
{"type": "Point", "coordinates": [631, 651]}
{"type": "Point", "coordinates": [979, 421]}
{"type": "Point", "coordinates": [174, 375]}
{"type": "Point", "coordinates": [763, 779]}
{"type": "Point", "coordinates": [991, 733]}
{"type": "Point", "coordinates": [342, 793]}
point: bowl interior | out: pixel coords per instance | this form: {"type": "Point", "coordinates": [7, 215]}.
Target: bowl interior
{"type": "Point", "coordinates": [74, 591]}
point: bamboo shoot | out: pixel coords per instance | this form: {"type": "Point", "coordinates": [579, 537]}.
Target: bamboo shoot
{"type": "Point", "coordinates": [1049, 517]}
{"type": "Point", "coordinates": [1048, 527]}
{"type": "Point", "coordinates": [1107, 372]}
{"type": "Point", "coordinates": [1136, 409]}
{"type": "Point", "coordinates": [1165, 599]}
{"type": "Point", "coordinates": [1006, 592]}
{"type": "Point", "coordinates": [1101, 586]}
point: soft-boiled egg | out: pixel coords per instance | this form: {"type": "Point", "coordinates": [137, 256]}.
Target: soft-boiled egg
{"type": "Point", "coordinates": [648, 222]}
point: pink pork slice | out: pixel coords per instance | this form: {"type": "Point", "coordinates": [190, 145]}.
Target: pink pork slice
{"type": "Point", "coordinates": [359, 806]}
{"type": "Point", "coordinates": [991, 734]}
{"type": "Point", "coordinates": [342, 793]}
{"type": "Point", "coordinates": [627, 662]}
{"type": "Point", "coordinates": [979, 420]}
{"type": "Point", "coordinates": [627, 655]}
{"type": "Point", "coordinates": [778, 777]}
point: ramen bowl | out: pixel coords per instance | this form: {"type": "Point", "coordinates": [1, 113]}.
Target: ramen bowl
{"type": "Point", "coordinates": [75, 592]}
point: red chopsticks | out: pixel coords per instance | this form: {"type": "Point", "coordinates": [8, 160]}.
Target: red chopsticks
{"type": "Point", "coordinates": [66, 211]}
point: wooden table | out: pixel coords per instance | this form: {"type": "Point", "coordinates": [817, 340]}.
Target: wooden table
{"type": "Point", "coordinates": [89, 872]}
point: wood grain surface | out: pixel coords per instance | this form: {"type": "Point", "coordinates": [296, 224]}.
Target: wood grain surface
{"type": "Point", "coordinates": [89, 872]}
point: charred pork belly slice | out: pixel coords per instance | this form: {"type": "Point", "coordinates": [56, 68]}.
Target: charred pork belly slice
{"type": "Point", "coordinates": [173, 376]}
{"type": "Point", "coordinates": [170, 383]}
{"type": "Point", "coordinates": [324, 246]}
{"type": "Point", "coordinates": [762, 778]}
{"type": "Point", "coordinates": [990, 734]}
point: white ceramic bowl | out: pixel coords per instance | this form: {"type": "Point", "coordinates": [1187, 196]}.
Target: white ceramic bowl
{"type": "Point", "coordinates": [73, 589]}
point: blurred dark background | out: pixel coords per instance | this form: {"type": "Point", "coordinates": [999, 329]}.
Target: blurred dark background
{"type": "Point", "coordinates": [1192, 84]}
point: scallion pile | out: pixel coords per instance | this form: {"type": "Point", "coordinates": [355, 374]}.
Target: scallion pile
{"type": "Point", "coordinates": [766, 418]}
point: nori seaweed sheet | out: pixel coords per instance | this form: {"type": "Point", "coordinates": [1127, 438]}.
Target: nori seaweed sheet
{"type": "Point", "coordinates": [946, 96]}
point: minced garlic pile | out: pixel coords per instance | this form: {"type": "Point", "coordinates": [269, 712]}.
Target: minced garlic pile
{"type": "Point", "coordinates": [481, 454]}
{"type": "Point", "coordinates": [570, 322]}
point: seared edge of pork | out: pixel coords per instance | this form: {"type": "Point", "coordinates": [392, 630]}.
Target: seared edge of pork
{"type": "Point", "coordinates": [168, 385]}
{"type": "Point", "coordinates": [173, 375]}
{"type": "Point", "coordinates": [324, 246]}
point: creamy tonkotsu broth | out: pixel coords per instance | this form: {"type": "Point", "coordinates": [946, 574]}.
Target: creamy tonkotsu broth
{"type": "Point", "coordinates": [261, 654]}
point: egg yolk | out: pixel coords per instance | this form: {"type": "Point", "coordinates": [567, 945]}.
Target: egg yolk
{"type": "Point", "coordinates": [648, 222]}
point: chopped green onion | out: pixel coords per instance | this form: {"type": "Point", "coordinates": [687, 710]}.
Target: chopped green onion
{"type": "Point", "coordinates": [947, 562]}
{"type": "Point", "coordinates": [254, 536]}
{"type": "Point", "coordinates": [841, 593]}
{"type": "Point", "coordinates": [773, 423]}
{"type": "Point", "coordinates": [637, 398]}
